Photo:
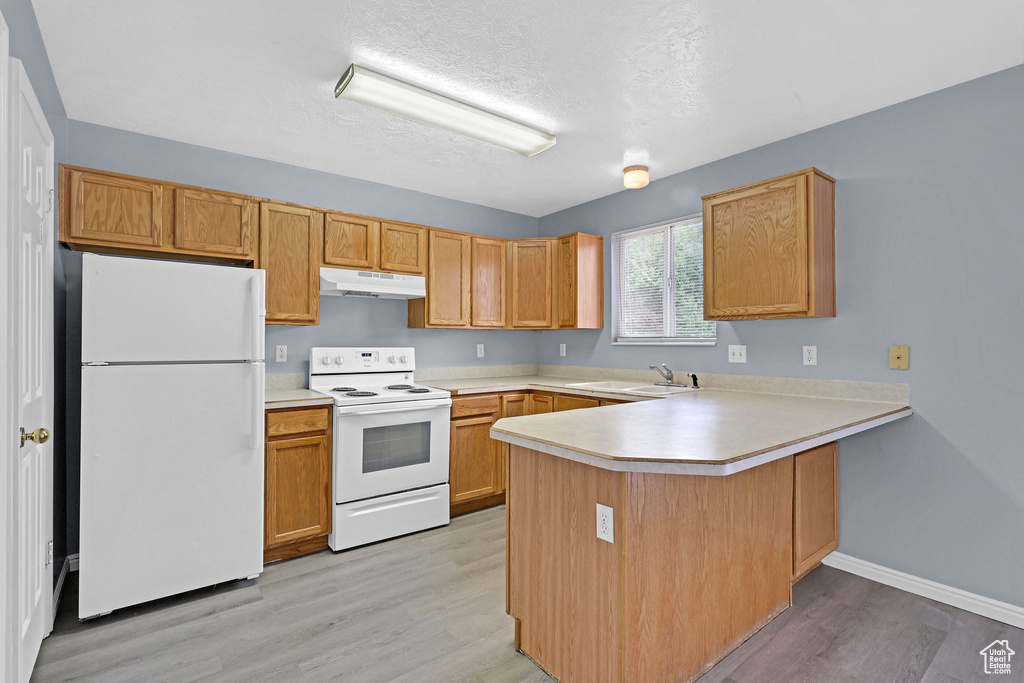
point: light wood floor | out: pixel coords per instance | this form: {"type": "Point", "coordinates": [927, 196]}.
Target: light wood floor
{"type": "Point", "coordinates": [430, 607]}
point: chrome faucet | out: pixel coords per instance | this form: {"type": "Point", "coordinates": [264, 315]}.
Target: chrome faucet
{"type": "Point", "coordinates": [666, 373]}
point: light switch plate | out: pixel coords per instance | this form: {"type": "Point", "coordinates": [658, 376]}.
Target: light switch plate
{"type": "Point", "coordinates": [737, 353]}
{"type": "Point", "coordinates": [899, 357]}
{"type": "Point", "coordinates": [561, 350]}
{"type": "Point", "coordinates": [479, 350]}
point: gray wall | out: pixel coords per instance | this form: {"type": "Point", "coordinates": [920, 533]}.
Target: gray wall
{"type": "Point", "coordinates": [26, 44]}
{"type": "Point", "coordinates": [343, 321]}
{"type": "Point", "coordinates": [930, 253]}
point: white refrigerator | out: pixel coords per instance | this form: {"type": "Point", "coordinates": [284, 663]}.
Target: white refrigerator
{"type": "Point", "coordinates": [172, 429]}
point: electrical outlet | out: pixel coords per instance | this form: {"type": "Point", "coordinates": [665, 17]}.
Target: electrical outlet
{"type": "Point", "coordinates": [810, 355]}
{"type": "Point", "coordinates": [605, 523]}
{"type": "Point", "coordinates": [282, 353]}
{"type": "Point", "coordinates": [737, 353]}
{"type": "Point", "coordinates": [479, 350]}
{"type": "Point", "coordinates": [561, 350]}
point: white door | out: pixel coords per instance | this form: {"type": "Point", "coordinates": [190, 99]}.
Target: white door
{"type": "Point", "coordinates": [172, 480]}
{"type": "Point", "coordinates": [142, 311]}
{"type": "Point", "coordinates": [29, 262]}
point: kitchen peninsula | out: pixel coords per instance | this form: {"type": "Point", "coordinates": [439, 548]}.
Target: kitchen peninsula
{"type": "Point", "coordinates": [720, 501]}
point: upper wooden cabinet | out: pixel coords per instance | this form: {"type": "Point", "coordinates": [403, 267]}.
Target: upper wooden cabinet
{"type": "Point", "coordinates": [351, 241]}
{"type": "Point", "coordinates": [111, 209]}
{"type": "Point", "coordinates": [115, 213]}
{"type": "Point", "coordinates": [769, 249]}
{"type": "Point", "coordinates": [579, 269]}
{"type": "Point", "coordinates": [214, 223]}
{"type": "Point", "coordinates": [448, 279]}
{"type": "Point", "coordinates": [487, 306]}
{"type": "Point", "coordinates": [531, 283]}
{"type": "Point", "coordinates": [289, 252]}
{"type": "Point", "coordinates": [403, 248]}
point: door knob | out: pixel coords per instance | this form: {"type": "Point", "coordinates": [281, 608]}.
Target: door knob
{"type": "Point", "coordinates": [39, 436]}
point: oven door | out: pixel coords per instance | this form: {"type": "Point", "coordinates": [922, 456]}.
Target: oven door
{"type": "Point", "coordinates": [390, 447]}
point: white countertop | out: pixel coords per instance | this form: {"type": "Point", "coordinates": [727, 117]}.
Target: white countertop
{"type": "Point", "coordinates": [292, 398]}
{"type": "Point", "coordinates": [710, 432]}
{"type": "Point", "coordinates": [484, 385]}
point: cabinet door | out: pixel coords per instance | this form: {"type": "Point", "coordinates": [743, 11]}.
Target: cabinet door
{"type": "Point", "coordinates": [488, 284]}
{"type": "Point", "coordinates": [113, 209]}
{"type": "Point", "coordinates": [758, 250]}
{"type": "Point", "coordinates": [567, 402]}
{"type": "Point", "coordinates": [351, 241]}
{"type": "Point", "coordinates": [448, 279]}
{"type": "Point", "coordinates": [475, 459]}
{"type": "Point", "coordinates": [815, 507]}
{"type": "Point", "coordinates": [298, 490]}
{"type": "Point", "coordinates": [289, 238]}
{"type": "Point", "coordinates": [566, 271]}
{"type": "Point", "coordinates": [530, 280]}
{"type": "Point", "coordinates": [540, 403]}
{"type": "Point", "coordinates": [403, 249]}
{"type": "Point", "coordinates": [214, 223]}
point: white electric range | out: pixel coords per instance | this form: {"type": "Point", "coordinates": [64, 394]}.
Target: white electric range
{"type": "Point", "coordinates": [391, 439]}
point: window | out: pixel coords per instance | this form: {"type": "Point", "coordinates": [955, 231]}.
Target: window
{"type": "Point", "coordinates": [658, 285]}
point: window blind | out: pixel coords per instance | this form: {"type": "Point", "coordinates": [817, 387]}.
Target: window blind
{"type": "Point", "coordinates": [659, 285]}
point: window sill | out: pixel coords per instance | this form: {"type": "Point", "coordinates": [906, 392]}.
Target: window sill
{"type": "Point", "coordinates": [666, 342]}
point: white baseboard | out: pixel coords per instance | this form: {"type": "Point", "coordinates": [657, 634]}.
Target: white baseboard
{"type": "Point", "coordinates": [64, 569]}
{"type": "Point", "coordinates": [73, 562]}
{"type": "Point", "coordinates": [971, 602]}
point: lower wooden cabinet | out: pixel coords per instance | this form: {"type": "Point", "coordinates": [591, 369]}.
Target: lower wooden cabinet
{"type": "Point", "coordinates": [297, 492]}
{"type": "Point", "coordinates": [541, 403]}
{"type": "Point", "coordinates": [815, 507]}
{"type": "Point", "coordinates": [570, 402]}
{"type": "Point", "coordinates": [475, 473]}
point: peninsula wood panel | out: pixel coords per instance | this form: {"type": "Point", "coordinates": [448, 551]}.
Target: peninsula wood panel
{"type": "Point", "coordinates": [403, 249]}
{"type": "Point", "coordinates": [570, 402]}
{"type": "Point", "coordinates": [488, 282]}
{"type": "Point", "coordinates": [112, 209]}
{"type": "Point", "coordinates": [448, 279]}
{"type": "Point", "coordinates": [815, 507]}
{"type": "Point", "coordinates": [530, 282]}
{"type": "Point", "coordinates": [289, 252]}
{"type": "Point", "coordinates": [351, 241]}
{"type": "Point", "coordinates": [580, 277]}
{"type": "Point", "coordinates": [475, 459]}
{"type": "Point", "coordinates": [726, 566]}
{"type": "Point", "coordinates": [769, 249]}
{"type": "Point", "coordinates": [565, 585]}
{"type": "Point", "coordinates": [214, 223]}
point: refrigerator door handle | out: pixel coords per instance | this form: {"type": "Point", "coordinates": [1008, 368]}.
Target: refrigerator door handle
{"type": "Point", "coordinates": [256, 435]}
{"type": "Point", "coordinates": [259, 313]}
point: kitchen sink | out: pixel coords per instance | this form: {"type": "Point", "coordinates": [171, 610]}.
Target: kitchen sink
{"type": "Point", "coordinates": [607, 384]}
{"type": "Point", "coordinates": [657, 390]}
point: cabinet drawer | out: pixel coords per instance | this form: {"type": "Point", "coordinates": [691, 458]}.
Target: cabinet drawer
{"type": "Point", "coordinates": [298, 421]}
{"type": "Point", "coordinates": [475, 405]}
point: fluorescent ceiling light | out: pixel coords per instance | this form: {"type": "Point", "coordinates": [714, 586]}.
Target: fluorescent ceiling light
{"type": "Point", "coordinates": [416, 104]}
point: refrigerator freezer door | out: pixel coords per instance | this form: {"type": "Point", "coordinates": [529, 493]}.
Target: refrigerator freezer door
{"type": "Point", "coordinates": [147, 311]}
{"type": "Point", "coordinates": [171, 485]}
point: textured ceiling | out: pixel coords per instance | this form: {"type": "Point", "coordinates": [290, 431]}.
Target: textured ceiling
{"type": "Point", "coordinates": [668, 83]}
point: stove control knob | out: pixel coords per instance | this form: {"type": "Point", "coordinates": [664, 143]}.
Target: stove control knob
{"type": "Point", "coordinates": [339, 360]}
{"type": "Point", "coordinates": [404, 359]}
{"type": "Point", "coordinates": [392, 359]}
{"type": "Point", "coordinates": [326, 360]}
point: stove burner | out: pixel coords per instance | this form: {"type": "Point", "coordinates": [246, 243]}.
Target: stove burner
{"type": "Point", "coordinates": [396, 387]}
{"type": "Point", "coordinates": [361, 393]}
{"type": "Point", "coordinates": [419, 390]}
{"type": "Point", "coordinates": [343, 389]}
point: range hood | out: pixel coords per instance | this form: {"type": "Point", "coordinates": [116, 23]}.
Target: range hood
{"type": "Point", "coordinates": [344, 282]}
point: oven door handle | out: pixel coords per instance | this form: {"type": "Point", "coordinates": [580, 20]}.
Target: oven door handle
{"type": "Point", "coordinates": [410, 406]}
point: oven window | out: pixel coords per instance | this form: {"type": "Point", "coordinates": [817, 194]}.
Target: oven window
{"type": "Point", "coordinates": [394, 446]}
